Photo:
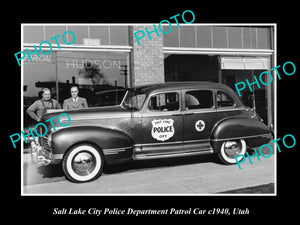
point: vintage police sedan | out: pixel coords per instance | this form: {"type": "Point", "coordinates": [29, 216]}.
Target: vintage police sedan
{"type": "Point", "coordinates": [153, 121]}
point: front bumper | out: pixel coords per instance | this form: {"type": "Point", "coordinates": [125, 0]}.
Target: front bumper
{"type": "Point", "coordinates": [39, 155]}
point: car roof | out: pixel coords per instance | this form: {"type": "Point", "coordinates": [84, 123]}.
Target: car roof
{"type": "Point", "coordinates": [150, 88]}
{"type": "Point", "coordinates": [182, 85]}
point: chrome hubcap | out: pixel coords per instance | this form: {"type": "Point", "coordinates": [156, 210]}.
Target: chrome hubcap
{"type": "Point", "coordinates": [83, 163]}
{"type": "Point", "coordinates": [232, 148]}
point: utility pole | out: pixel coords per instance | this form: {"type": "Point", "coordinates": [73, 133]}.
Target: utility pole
{"type": "Point", "coordinates": [125, 73]}
{"type": "Point", "coordinates": [56, 77]}
{"type": "Point", "coordinates": [253, 98]}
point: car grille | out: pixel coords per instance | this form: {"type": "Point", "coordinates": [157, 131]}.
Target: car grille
{"type": "Point", "coordinates": [44, 143]}
{"type": "Point", "coordinates": [44, 140]}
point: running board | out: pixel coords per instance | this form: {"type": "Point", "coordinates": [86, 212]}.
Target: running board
{"type": "Point", "coordinates": [172, 155]}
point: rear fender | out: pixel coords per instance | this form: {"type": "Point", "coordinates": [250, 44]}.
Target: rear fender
{"type": "Point", "coordinates": [253, 131]}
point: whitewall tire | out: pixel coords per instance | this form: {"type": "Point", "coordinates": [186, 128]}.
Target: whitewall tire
{"type": "Point", "coordinates": [230, 149]}
{"type": "Point", "coordinates": [83, 163]}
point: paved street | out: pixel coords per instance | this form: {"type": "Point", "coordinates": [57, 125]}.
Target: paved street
{"type": "Point", "coordinates": [189, 175]}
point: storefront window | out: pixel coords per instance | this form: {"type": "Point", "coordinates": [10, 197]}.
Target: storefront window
{"type": "Point", "coordinates": [33, 34]}
{"type": "Point", "coordinates": [187, 36]}
{"type": "Point", "coordinates": [264, 40]}
{"type": "Point", "coordinates": [119, 35]}
{"type": "Point", "coordinates": [199, 36]}
{"type": "Point", "coordinates": [246, 32]}
{"type": "Point", "coordinates": [81, 33]}
{"type": "Point", "coordinates": [171, 39]}
{"type": "Point", "coordinates": [203, 37]}
{"type": "Point", "coordinates": [92, 70]}
{"type": "Point", "coordinates": [98, 75]}
{"type": "Point", "coordinates": [219, 37]}
{"type": "Point", "coordinates": [235, 37]}
{"type": "Point", "coordinates": [102, 34]}
{"type": "Point", "coordinates": [52, 31]}
{"type": "Point", "coordinates": [40, 70]}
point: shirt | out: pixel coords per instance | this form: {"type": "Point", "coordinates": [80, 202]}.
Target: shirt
{"type": "Point", "coordinates": [72, 104]}
{"type": "Point", "coordinates": [39, 108]}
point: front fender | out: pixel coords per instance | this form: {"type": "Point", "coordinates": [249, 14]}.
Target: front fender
{"type": "Point", "coordinates": [253, 131]}
{"type": "Point", "coordinates": [114, 144]}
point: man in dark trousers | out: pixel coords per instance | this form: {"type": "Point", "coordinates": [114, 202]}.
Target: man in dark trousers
{"type": "Point", "coordinates": [39, 107]}
{"type": "Point", "coordinates": [75, 102]}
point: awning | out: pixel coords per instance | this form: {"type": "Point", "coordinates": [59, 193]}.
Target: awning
{"type": "Point", "coordinates": [245, 63]}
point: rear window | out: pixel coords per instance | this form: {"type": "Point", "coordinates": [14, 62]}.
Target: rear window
{"type": "Point", "coordinates": [224, 100]}
{"type": "Point", "coordinates": [201, 99]}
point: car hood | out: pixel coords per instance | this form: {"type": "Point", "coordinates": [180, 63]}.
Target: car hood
{"type": "Point", "coordinates": [89, 113]}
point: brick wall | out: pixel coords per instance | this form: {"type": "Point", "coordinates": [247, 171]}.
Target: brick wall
{"type": "Point", "coordinates": [146, 59]}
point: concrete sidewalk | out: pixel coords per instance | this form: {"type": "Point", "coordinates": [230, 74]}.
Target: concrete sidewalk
{"type": "Point", "coordinates": [197, 178]}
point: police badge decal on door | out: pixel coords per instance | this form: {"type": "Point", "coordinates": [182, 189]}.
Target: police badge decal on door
{"type": "Point", "coordinates": [162, 129]}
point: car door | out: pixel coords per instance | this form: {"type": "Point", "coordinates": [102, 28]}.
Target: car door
{"type": "Point", "coordinates": [162, 124]}
{"type": "Point", "coordinates": [199, 118]}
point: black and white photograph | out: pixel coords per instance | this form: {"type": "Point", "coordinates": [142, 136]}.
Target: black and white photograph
{"type": "Point", "coordinates": [150, 112]}
{"type": "Point", "coordinates": [148, 109]}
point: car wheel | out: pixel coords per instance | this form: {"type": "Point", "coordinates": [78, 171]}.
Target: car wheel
{"type": "Point", "coordinates": [231, 149]}
{"type": "Point", "coordinates": [83, 163]}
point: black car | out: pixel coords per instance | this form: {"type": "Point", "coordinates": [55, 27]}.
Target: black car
{"type": "Point", "coordinates": [153, 121]}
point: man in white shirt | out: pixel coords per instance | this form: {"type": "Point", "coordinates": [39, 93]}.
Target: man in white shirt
{"type": "Point", "coordinates": [75, 102]}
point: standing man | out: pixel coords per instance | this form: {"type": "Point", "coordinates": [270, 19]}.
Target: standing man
{"type": "Point", "coordinates": [39, 107]}
{"type": "Point", "coordinates": [75, 102]}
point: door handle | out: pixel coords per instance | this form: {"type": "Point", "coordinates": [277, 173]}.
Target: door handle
{"type": "Point", "coordinates": [189, 114]}
{"type": "Point", "coordinates": [176, 114]}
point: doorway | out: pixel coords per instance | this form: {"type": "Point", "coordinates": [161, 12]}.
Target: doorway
{"type": "Point", "coordinates": [191, 68]}
{"type": "Point", "coordinates": [257, 98]}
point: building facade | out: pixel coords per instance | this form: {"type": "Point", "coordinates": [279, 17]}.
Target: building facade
{"type": "Point", "coordinates": [226, 54]}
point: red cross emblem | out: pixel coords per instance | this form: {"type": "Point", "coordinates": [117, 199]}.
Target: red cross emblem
{"type": "Point", "coordinates": [200, 125]}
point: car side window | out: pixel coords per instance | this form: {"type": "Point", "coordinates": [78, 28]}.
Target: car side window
{"type": "Point", "coordinates": [200, 99]}
{"type": "Point", "coordinates": [164, 102]}
{"type": "Point", "coordinates": [224, 100]}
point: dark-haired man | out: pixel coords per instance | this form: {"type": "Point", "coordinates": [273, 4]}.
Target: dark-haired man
{"type": "Point", "coordinates": [75, 102]}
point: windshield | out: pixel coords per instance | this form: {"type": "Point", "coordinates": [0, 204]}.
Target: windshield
{"type": "Point", "coordinates": [134, 99]}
